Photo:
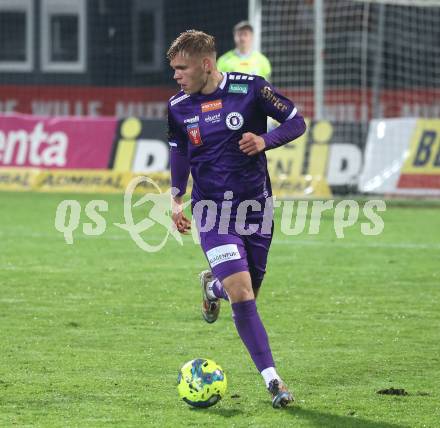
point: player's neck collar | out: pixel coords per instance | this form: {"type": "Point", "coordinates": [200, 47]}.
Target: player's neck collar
{"type": "Point", "coordinates": [220, 87]}
{"type": "Point", "coordinates": [223, 82]}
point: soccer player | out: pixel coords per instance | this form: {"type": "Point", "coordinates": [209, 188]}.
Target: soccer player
{"type": "Point", "coordinates": [217, 131]}
{"type": "Point", "coordinates": [244, 58]}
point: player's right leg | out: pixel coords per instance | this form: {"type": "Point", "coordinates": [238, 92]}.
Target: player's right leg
{"type": "Point", "coordinates": [226, 255]}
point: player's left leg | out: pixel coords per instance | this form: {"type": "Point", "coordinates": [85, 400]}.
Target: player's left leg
{"type": "Point", "coordinates": [228, 258]}
{"type": "Point", "coordinates": [257, 248]}
{"type": "Point", "coordinates": [253, 334]}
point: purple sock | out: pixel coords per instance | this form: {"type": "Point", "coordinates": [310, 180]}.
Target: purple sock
{"type": "Point", "coordinates": [218, 290]}
{"type": "Point", "coordinates": [252, 333]}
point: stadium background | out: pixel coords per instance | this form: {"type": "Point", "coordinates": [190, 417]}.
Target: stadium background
{"type": "Point", "coordinates": [93, 333]}
{"type": "Point", "coordinates": [342, 62]}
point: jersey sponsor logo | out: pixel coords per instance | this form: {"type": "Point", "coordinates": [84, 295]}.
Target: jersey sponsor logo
{"type": "Point", "coordinates": [192, 119]}
{"type": "Point", "coordinates": [222, 254]}
{"type": "Point", "coordinates": [234, 120]}
{"type": "Point", "coordinates": [194, 134]}
{"type": "Point", "coordinates": [213, 118]}
{"type": "Point", "coordinates": [212, 105]}
{"type": "Point", "coordinates": [237, 88]}
{"type": "Point", "coordinates": [177, 100]}
{"type": "Point", "coordinates": [268, 95]}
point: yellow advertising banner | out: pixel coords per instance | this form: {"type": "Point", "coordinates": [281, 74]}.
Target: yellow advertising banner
{"type": "Point", "coordinates": [286, 166]}
{"type": "Point", "coordinates": [80, 181]}
{"type": "Point", "coordinates": [160, 179]}
{"type": "Point", "coordinates": [302, 187]}
{"type": "Point", "coordinates": [108, 181]}
{"type": "Point", "coordinates": [421, 169]}
{"type": "Point", "coordinates": [424, 150]}
{"type": "Point", "coordinates": [18, 179]}
{"type": "Point", "coordinates": [89, 181]}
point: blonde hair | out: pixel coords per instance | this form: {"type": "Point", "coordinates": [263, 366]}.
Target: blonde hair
{"type": "Point", "coordinates": [192, 42]}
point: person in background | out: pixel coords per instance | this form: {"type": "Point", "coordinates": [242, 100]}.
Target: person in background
{"type": "Point", "coordinates": [244, 58]}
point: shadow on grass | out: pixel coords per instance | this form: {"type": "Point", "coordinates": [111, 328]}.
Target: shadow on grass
{"type": "Point", "coordinates": [321, 419]}
{"type": "Point", "coordinates": [225, 413]}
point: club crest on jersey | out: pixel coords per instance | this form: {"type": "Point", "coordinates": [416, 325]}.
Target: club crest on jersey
{"type": "Point", "coordinates": [193, 131]}
{"type": "Point", "coordinates": [211, 105]}
{"type": "Point", "coordinates": [234, 120]}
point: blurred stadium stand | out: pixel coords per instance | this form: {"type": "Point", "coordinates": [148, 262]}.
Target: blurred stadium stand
{"type": "Point", "coordinates": [379, 59]}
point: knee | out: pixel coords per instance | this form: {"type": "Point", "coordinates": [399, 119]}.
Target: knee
{"type": "Point", "coordinates": [239, 287]}
{"type": "Point", "coordinates": [240, 294]}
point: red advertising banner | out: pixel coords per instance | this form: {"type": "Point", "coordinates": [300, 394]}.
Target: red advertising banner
{"type": "Point", "coordinates": [354, 105]}
{"type": "Point", "coordinates": [148, 103]}
{"type": "Point", "coordinates": [66, 143]}
{"type": "Point", "coordinates": [151, 102]}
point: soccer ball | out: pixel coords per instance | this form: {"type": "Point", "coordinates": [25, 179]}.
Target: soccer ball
{"type": "Point", "coordinates": [201, 383]}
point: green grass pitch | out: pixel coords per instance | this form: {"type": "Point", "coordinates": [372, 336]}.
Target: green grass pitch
{"type": "Point", "coordinates": [92, 334]}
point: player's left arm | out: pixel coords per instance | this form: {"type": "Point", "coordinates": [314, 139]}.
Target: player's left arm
{"type": "Point", "coordinates": [280, 108]}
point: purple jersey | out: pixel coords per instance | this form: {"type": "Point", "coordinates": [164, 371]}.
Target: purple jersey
{"type": "Point", "coordinates": [204, 131]}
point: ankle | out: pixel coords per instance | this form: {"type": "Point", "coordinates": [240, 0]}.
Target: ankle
{"type": "Point", "coordinates": [269, 374]}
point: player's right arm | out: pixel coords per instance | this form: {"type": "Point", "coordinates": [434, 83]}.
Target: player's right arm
{"type": "Point", "coordinates": [179, 167]}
